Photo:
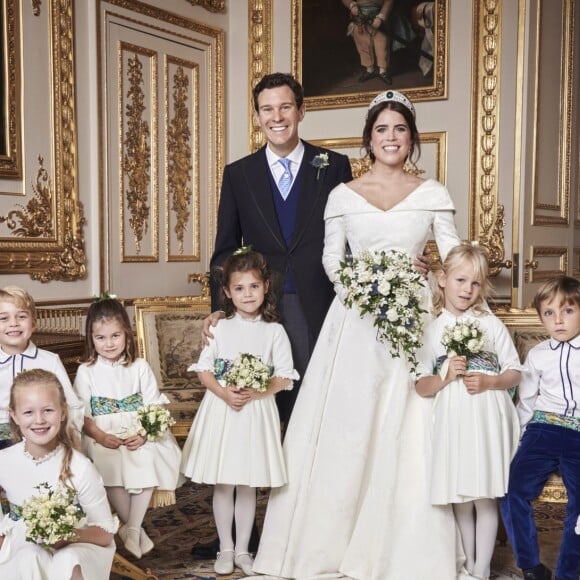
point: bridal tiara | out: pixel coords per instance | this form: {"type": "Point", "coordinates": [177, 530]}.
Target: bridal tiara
{"type": "Point", "coordinates": [393, 96]}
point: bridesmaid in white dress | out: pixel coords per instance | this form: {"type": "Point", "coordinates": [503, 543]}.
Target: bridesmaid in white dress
{"type": "Point", "coordinates": [45, 455]}
{"type": "Point", "coordinates": [357, 502]}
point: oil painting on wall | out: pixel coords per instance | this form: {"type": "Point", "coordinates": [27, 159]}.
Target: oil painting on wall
{"type": "Point", "coordinates": [345, 55]}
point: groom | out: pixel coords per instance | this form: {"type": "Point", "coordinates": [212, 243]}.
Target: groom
{"type": "Point", "coordinates": [274, 201]}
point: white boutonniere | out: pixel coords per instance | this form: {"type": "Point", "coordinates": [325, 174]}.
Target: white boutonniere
{"type": "Point", "coordinates": [320, 162]}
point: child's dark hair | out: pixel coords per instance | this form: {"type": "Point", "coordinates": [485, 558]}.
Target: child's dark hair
{"type": "Point", "coordinates": [67, 434]}
{"type": "Point", "coordinates": [566, 287]}
{"type": "Point", "coordinates": [249, 261]}
{"type": "Point", "coordinates": [104, 310]}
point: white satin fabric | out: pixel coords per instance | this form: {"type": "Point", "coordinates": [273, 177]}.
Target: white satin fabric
{"type": "Point", "coordinates": [357, 501]}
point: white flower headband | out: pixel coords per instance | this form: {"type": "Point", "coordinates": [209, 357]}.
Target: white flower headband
{"type": "Point", "coordinates": [393, 96]}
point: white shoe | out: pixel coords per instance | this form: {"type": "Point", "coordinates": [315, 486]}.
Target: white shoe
{"type": "Point", "coordinates": [245, 562]}
{"type": "Point", "coordinates": [224, 563]}
{"type": "Point", "coordinates": [130, 537]}
{"type": "Point", "coordinates": [145, 542]}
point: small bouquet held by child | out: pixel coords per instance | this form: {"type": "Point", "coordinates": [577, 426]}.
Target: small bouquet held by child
{"type": "Point", "coordinates": [387, 286]}
{"type": "Point", "coordinates": [249, 372]}
{"type": "Point", "coordinates": [153, 420]}
{"type": "Point", "coordinates": [52, 516]}
{"type": "Point", "coordinates": [463, 338]}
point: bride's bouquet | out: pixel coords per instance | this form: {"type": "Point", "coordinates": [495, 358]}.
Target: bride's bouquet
{"type": "Point", "coordinates": [52, 516]}
{"type": "Point", "coordinates": [153, 420]}
{"type": "Point", "coordinates": [249, 372]}
{"type": "Point", "coordinates": [463, 338]}
{"type": "Point", "coordinates": [387, 286]}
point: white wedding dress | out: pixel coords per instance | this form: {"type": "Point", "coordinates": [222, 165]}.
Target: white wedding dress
{"type": "Point", "coordinates": [357, 501]}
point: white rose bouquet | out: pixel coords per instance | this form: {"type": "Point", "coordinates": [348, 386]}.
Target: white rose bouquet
{"type": "Point", "coordinates": [153, 421]}
{"type": "Point", "coordinates": [52, 516]}
{"type": "Point", "coordinates": [249, 372]}
{"type": "Point", "coordinates": [387, 286]}
{"type": "Point", "coordinates": [463, 338]}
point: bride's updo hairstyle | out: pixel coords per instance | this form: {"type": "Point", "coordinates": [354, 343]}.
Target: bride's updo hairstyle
{"type": "Point", "coordinates": [395, 101]}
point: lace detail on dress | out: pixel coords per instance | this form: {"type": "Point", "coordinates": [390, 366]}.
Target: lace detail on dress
{"type": "Point", "coordinates": [44, 458]}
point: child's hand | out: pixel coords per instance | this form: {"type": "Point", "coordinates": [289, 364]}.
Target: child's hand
{"type": "Point", "coordinates": [477, 383]}
{"type": "Point", "coordinates": [457, 367]}
{"type": "Point", "coordinates": [134, 442]}
{"type": "Point", "coordinates": [236, 398]}
{"type": "Point", "coordinates": [110, 441]}
{"type": "Point", "coordinates": [256, 395]}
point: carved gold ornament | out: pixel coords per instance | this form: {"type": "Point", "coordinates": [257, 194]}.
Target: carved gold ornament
{"type": "Point", "coordinates": [259, 56]}
{"type": "Point", "coordinates": [59, 255]}
{"type": "Point", "coordinates": [34, 219]}
{"type": "Point", "coordinates": [487, 220]}
{"type": "Point", "coordinates": [211, 5]}
{"type": "Point", "coordinates": [36, 7]}
{"type": "Point", "coordinates": [137, 154]}
{"type": "Point", "coordinates": [179, 156]}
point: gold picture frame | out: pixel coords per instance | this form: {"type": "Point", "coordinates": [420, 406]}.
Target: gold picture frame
{"type": "Point", "coordinates": [10, 125]}
{"type": "Point", "coordinates": [43, 235]}
{"type": "Point", "coordinates": [168, 338]}
{"type": "Point", "coordinates": [416, 53]}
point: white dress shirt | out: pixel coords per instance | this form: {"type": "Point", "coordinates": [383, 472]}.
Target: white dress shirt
{"type": "Point", "coordinates": [551, 381]}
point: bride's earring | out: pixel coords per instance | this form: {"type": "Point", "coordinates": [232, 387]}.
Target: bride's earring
{"type": "Point", "coordinates": [411, 168]}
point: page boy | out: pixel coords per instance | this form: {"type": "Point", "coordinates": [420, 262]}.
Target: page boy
{"type": "Point", "coordinates": [18, 353]}
{"type": "Point", "coordinates": [549, 411]}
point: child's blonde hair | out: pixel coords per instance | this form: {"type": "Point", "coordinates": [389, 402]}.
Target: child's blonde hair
{"type": "Point", "coordinates": [476, 256]}
{"type": "Point", "coordinates": [20, 298]}
{"type": "Point", "coordinates": [67, 434]}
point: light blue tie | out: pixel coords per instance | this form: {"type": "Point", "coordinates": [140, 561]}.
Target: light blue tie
{"type": "Point", "coordinates": [286, 179]}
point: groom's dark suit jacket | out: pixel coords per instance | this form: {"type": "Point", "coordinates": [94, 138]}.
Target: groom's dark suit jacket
{"type": "Point", "coordinates": [247, 216]}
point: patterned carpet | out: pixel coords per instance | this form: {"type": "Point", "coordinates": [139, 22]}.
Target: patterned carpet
{"type": "Point", "coordinates": [177, 528]}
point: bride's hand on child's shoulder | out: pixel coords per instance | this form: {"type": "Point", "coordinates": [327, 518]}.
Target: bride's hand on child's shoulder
{"type": "Point", "coordinates": [236, 398]}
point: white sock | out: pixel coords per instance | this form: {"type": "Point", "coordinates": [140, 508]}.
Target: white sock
{"type": "Point", "coordinates": [465, 517]}
{"type": "Point", "coordinates": [223, 514]}
{"type": "Point", "coordinates": [120, 502]}
{"type": "Point", "coordinates": [139, 504]}
{"type": "Point", "coordinates": [245, 512]}
{"type": "Point", "coordinates": [487, 520]}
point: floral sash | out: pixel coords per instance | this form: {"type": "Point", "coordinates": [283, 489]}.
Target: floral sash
{"type": "Point", "coordinates": [484, 361]}
{"type": "Point", "coordinates": [555, 419]}
{"type": "Point", "coordinates": [107, 406]}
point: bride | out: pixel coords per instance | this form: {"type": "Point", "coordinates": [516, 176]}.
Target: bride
{"type": "Point", "coordinates": [356, 504]}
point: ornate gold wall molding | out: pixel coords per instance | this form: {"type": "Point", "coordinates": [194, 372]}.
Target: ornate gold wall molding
{"type": "Point", "coordinates": [486, 215]}
{"type": "Point", "coordinates": [61, 257]}
{"type": "Point", "coordinates": [35, 219]}
{"type": "Point", "coordinates": [211, 5]}
{"type": "Point", "coordinates": [259, 56]}
{"type": "Point", "coordinates": [559, 204]}
{"type": "Point", "coordinates": [11, 149]}
{"type": "Point", "coordinates": [136, 160]}
{"type": "Point", "coordinates": [546, 256]}
{"type": "Point", "coordinates": [36, 7]}
{"type": "Point", "coordinates": [138, 175]}
{"type": "Point", "coordinates": [182, 191]}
